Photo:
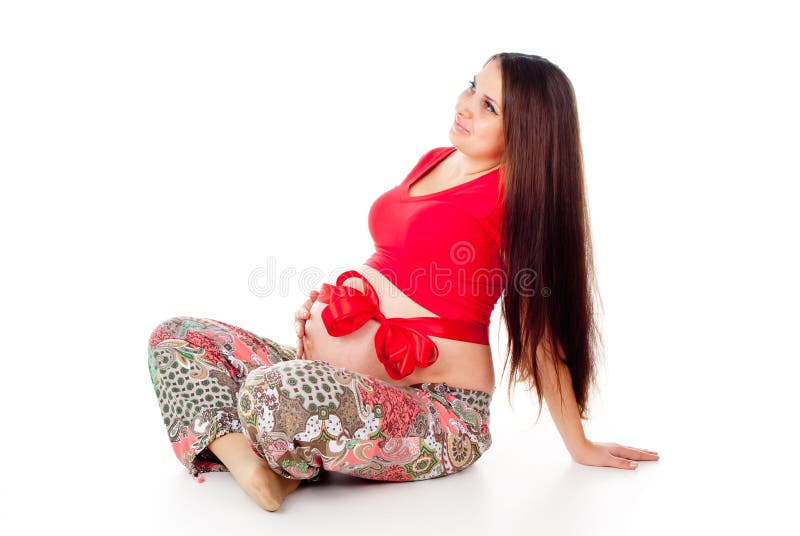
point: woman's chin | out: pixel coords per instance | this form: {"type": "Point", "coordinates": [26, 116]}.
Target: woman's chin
{"type": "Point", "coordinates": [453, 138]}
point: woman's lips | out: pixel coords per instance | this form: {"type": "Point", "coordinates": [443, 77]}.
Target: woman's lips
{"type": "Point", "coordinates": [458, 128]}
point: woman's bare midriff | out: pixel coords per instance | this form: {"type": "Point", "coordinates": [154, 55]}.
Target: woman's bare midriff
{"type": "Point", "coordinates": [460, 364]}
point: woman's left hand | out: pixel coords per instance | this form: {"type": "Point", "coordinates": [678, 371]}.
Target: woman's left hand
{"type": "Point", "coordinates": [611, 455]}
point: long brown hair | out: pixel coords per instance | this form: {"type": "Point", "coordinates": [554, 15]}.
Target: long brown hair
{"type": "Point", "coordinates": [546, 246]}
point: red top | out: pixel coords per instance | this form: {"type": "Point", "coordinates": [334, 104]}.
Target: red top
{"type": "Point", "coordinates": [442, 249]}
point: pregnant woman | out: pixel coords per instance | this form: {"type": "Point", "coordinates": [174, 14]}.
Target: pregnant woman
{"type": "Point", "coordinates": [391, 377]}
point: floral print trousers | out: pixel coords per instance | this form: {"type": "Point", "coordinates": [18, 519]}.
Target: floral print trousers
{"type": "Point", "coordinates": [303, 416]}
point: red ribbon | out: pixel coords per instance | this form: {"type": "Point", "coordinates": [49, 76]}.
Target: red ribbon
{"type": "Point", "coordinates": [400, 346]}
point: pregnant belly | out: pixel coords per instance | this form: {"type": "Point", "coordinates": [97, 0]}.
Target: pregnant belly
{"type": "Point", "coordinates": [354, 351]}
{"type": "Point", "coordinates": [460, 364]}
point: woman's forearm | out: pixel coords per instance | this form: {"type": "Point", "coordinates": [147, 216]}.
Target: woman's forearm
{"type": "Point", "coordinates": [565, 412]}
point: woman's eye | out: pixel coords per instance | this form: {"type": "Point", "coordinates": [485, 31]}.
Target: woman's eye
{"type": "Point", "coordinates": [486, 102]}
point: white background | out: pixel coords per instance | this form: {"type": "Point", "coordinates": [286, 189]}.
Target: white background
{"type": "Point", "coordinates": [155, 155]}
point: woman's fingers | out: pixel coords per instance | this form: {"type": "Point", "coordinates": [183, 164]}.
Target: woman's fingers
{"type": "Point", "coordinates": [304, 311]}
{"type": "Point", "coordinates": [622, 463]}
{"type": "Point", "coordinates": [311, 299]}
{"type": "Point", "coordinates": [300, 324]}
{"type": "Point", "coordinates": [612, 455]}
{"type": "Point", "coordinates": [636, 448]}
{"type": "Point", "coordinates": [637, 454]}
{"type": "Point", "coordinates": [300, 316]}
{"type": "Point", "coordinates": [624, 457]}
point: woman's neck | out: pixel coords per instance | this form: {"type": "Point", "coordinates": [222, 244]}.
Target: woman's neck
{"type": "Point", "coordinates": [466, 167]}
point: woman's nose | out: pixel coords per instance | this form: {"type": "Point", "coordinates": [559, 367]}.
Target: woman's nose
{"type": "Point", "coordinates": [466, 106]}
{"type": "Point", "coordinates": [463, 109]}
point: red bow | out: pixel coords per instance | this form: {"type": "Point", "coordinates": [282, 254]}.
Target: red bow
{"type": "Point", "coordinates": [400, 347]}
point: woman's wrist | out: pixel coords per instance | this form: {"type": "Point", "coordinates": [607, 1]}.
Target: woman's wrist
{"type": "Point", "coordinates": [575, 448]}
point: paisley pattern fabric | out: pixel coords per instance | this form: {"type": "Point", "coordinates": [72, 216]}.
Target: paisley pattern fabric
{"type": "Point", "coordinates": [302, 416]}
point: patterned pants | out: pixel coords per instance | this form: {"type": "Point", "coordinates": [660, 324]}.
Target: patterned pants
{"type": "Point", "coordinates": [302, 416]}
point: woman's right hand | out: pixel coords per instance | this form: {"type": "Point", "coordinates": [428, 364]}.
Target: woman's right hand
{"type": "Point", "coordinates": [300, 317]}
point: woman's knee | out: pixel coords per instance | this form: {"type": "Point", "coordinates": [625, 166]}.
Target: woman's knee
{"type": "Point", "coordinates": [299, 375]}
{"type": "Point", "coordinates": [167, 329]}
{"type": "Point", "coordinates": [304, 385]}
{"type": "Point", "coordinates": [176, 327]}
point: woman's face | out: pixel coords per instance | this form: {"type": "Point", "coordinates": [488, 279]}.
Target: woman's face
{"type": "Point", "coordinates": [479, 110]}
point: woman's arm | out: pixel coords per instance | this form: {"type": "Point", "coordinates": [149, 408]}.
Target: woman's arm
{"type": "Point", "coordinates": [565, 413]}
{"type": "Point", "coordinates": [564, 409]}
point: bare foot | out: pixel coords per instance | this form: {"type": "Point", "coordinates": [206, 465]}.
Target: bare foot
{"type": "Point", "coordinates": [267, 488]}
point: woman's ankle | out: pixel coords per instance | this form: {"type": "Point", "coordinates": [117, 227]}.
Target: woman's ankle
{"type": "Point", "coordinates": [232, 448]}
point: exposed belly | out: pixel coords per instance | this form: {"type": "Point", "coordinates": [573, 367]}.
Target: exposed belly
{"type": "Point", "coordinates": [460, 364]}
